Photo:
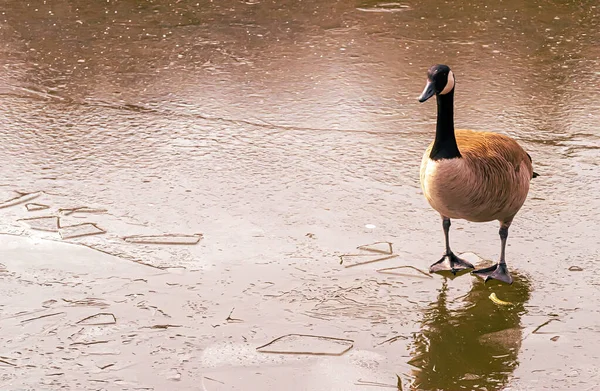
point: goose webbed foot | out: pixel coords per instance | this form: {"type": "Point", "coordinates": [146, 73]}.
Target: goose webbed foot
{"type": "Point", "coordinates": [497, 272]}
{"type": "Point", "coordinates": [450, 262]}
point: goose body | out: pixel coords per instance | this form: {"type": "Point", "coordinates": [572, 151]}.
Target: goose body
{"type": "Point", "coordinates": [490, 180]}
{"type": "Point", "coordinates": [472, 175]}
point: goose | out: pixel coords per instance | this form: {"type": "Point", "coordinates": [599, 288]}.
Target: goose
{"type": "Point", "coordinates": [476, 176]}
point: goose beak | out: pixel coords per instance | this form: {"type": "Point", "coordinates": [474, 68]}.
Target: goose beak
{"type": "Point", "coordinates": [428, 92]}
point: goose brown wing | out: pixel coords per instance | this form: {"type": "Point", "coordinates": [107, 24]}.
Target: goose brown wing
{"type": "Point", "coordinates": [491, 152]}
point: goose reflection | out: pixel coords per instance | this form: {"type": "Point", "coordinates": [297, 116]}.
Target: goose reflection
{"type": "Point", "coordinates": [474, 347]}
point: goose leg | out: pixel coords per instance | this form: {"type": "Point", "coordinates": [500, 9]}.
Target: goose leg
{"type": "Point", "coordinates": [449, 261]}
{"type": "Point", "coordinates": [499, 271]}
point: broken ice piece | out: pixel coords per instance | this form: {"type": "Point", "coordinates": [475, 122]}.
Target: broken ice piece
{"type": "Point", "coordinates": [164, 239]}
{"type": "Point", "coordinates": [307, 344]}
{"type": "Point", "coordinates": [48, 303]}
{"type": "Point", "coordinates": [46, 223]}
{"type": "Point", "coordinates": [81, 209]}
{"type": "Point", "coordinates": [101, 318]}
{"type": "Point", "coordinates": [19, 199]}
{"type": "Point", "coordinates": [377, 259]}
{"type": "Point", "coordinates": [76, 231]}
{"type": "Point", "coordinates": [378, 247]}
{"type": "Point", "coordinates": [388, 270]}
{"type": "Point", "coordinates": [33, 207]}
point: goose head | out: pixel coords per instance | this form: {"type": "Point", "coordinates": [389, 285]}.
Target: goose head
{"type": "Point", "coordinates": [440, 81]}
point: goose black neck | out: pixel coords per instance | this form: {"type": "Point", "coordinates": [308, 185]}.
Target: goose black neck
{"type": "Point", "coordinates": [444, 146]}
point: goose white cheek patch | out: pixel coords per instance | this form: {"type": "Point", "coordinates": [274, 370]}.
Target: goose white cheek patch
{"type": "Point", "coordinates": [449, 84]}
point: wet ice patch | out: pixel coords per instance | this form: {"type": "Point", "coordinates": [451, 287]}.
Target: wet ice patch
{"type": "Point", "coordinates": [229, 354]}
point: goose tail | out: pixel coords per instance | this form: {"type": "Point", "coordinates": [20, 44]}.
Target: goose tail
{"type": "Point", "coordinates": [535, 174]}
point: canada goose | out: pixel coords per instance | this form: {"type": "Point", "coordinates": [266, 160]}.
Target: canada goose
{"type": "Point", "coordinates": [475, 176]}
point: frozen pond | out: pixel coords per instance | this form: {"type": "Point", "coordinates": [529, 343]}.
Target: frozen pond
{"type": "Point", "coordinates": [267, 139]}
